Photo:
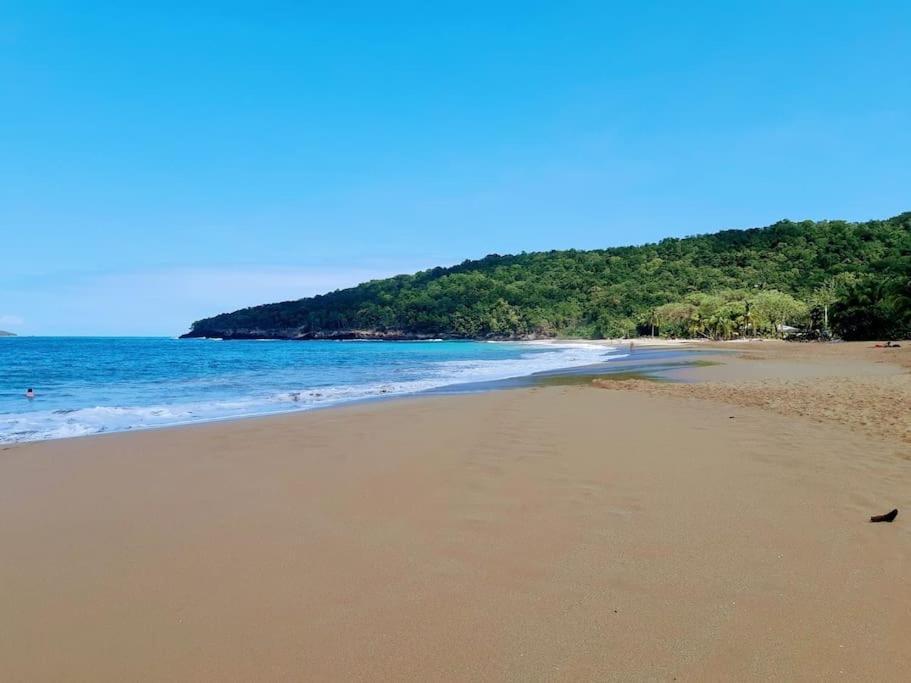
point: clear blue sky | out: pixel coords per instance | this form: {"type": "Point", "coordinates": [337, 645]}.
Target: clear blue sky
{"type": "Point", "coordinates": [162, 163]}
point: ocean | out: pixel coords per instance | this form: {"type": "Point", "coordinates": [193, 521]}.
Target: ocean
{"type": "Point", "coordinates": [86, 385]}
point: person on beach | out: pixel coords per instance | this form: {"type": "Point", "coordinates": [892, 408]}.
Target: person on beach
{"type": "Point", "coordinates": [30, 393]}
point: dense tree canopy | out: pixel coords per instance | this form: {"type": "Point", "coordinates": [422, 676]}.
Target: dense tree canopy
{"type": "Point", "coordinates": [855, 277]}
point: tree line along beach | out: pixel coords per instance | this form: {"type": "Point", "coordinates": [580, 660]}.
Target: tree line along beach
{"type": "Point", "coordinates": [820, 278]}
{"type": "Point", "coordinates": [694, 504]}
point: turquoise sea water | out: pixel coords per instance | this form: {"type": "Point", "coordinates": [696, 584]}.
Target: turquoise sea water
{"type": "Point", "coordinates": [90, 385]}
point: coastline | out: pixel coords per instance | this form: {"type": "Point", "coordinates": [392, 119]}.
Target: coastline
{"type": "Point", "coordinates": [668, 354]}
{"type": "Point", "coordinates": [550, 532]}
{"type": "Point", "coordinates": [318, 377]}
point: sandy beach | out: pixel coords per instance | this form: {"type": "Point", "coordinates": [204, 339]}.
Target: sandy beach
{"type": "Point", "coordinates": [632, 530]}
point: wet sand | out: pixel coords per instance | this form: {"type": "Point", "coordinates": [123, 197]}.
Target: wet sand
{"type": "Point", "coordinates": [553, 533]}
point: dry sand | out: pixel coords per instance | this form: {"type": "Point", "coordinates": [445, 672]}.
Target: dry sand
{"type": "Point", "coordinates": [559, 533]}
{"type": "Point", "coordinates": [855, 385]}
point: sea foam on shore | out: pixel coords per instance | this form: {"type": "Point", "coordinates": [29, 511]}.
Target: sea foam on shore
{"type": "Point", "coordinates": [90, 386]}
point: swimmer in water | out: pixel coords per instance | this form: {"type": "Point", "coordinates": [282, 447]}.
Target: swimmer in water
{"type": "Point", "coordinates": [30, 393]}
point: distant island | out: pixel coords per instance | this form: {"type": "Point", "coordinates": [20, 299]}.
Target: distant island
{"type": "Point", "coordinates": [850, 279]}
{"type": "Point", "coordinates": [4, 333]}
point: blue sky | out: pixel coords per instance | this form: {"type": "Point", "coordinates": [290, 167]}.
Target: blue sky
{"type": "Point", "coordinates": [166, 162]}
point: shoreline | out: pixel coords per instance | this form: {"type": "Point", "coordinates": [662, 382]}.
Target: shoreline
{"type": "Point", "coordinates": [594, 372]}
{"type": "Point", "coordinates": [460, 386]}
{"type": "Point", "coordinates": [644, 372]}
{"type": "Point", "coordinates": [558, 532]}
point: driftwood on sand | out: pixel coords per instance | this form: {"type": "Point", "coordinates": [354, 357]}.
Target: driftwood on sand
{"type": "Point", "coordinates": [888, 517]}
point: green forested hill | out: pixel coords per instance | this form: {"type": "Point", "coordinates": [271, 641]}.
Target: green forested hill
{"type": "Point", "coordinates": [721, 285]}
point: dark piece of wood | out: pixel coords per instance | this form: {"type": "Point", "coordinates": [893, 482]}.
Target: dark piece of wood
{"type": "Point", "coordinates": [888, 517]}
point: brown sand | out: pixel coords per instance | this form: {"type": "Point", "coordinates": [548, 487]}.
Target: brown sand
{"type": "Point", "coordinates": [561, 533]}
{"type": "Point", "coordinates": [854, 385]}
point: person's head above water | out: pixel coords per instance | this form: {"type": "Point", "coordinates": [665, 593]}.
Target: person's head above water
{"type": "Point", "coordinates": [29, 392]}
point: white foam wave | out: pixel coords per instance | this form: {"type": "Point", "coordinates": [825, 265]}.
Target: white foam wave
{"type": "Point", "coordinates": [55, 424]}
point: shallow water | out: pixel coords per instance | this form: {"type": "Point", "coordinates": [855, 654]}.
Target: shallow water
{"type": "Point", "coordinates": [90, 385]}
